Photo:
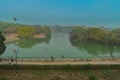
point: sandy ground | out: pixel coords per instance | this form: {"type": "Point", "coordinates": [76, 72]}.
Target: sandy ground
{"type": "Point", "coordinates": [14, 37]}
{"type": "Point", "coordinates": [11, 37]}
{"type": "Point", "coordinates": [64, 61]}
{"type": "Point", "coordinates": [39, 36]}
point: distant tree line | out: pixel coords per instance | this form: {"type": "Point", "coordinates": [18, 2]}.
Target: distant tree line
{"type": "Point", "coordinates": [25, 31]}
{"type": "Point", "coordinates": [97, 35]}
{"type": "Point", "coordinates": [30, 31]}
{"type": "Point", "coordinates": [61, 29]}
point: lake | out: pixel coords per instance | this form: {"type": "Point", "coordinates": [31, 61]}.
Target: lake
{"type": "Point", "coordinates": [58, 46]}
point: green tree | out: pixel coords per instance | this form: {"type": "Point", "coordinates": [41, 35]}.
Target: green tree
{"type": "Point", "coordinates": [2, 45]}
{"type": "Point", "coordinates": [96, 35]}
{"type": "Point", "coordinates": [46, 30]}
{"type": "Point", "coordinates": [26, 32]}
{"type": "Point", "coordinates": [79, 34]}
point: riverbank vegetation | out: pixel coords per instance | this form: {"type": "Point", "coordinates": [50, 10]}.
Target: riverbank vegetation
{"type": "Point", "coordinates": [19, 31]}
{"type": "Point", "coordinates": [25, 32]}
{"type": "Point", "coordinates": [95, 35]}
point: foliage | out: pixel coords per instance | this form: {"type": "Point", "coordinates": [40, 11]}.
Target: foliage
{"type": "Point", "coordinates": [2, 45]}
{"type": "Point", "coordinates": [9, 27]}
{"type": "Point", "coordinates": [78, 34]}
{"type": "Point", "coordinates": [25, 32]}
{"type": "Point", "coordinates": [69, 66]}
{"type": "Point", "coordinates": [92, 77]}
{"type": "Point", "coordinates": [97, 35]}
{"type": "Point", "coordinates": [46, 30]}
{"type": "Point", "coordinates": [21, 29]}
{"type": "Point", "coordinates": [89, 66]}
{"type": "Point", "coordinates": [66, 67]}
{"type": "Point", "coordinates": [1, 78]}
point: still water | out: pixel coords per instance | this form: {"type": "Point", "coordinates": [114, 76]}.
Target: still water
{"type": "Point", "coordinates": [58, 46]}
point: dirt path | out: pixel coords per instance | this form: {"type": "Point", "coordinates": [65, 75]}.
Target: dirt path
{"type": "Point", "coordinates": [64, 62]}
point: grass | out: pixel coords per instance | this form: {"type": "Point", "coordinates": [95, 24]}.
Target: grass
{"type": "Point", "coordinates": [1, 78]}
{"type": "Point", "coordinates": [92, 77]}
{"type": "Point", "coordinates": [60, 72]}
{"type": "Point", "coordinates": [57, 74]}
{"type": "Point", "coordinates": [66, 67]}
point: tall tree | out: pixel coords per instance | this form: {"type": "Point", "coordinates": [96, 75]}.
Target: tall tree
{"type": "Point", "coordinates": [2, 45]}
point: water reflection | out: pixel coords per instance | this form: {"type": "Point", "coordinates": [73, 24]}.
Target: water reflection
{"type": "Point", "coordinates": [58, 46]}
{"type": "Point", "coordinates": [96, 49]}
{"type": "Point", "coordinates": [29, 43]}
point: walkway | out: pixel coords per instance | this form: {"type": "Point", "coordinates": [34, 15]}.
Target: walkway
{"type": "Point", "coordinates": [64, 61]}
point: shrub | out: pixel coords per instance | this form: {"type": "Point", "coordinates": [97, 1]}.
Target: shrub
{"type": "Point", "coordinates": [1, 78]}
{"type": "Point", "coordinates": [92, 77]}
{"type": "Point", "coordinates": [68, 66]}
{"type": "Point", "coordinates": [89, 66]}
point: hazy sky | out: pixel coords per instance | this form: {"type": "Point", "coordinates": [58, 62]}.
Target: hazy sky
{"type": "Point", "coordinates": [62, 12]}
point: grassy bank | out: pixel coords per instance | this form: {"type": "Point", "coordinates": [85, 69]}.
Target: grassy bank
{"type": "Point", "coordinates": [66, 67]}
{"type": "Point", "coordinates": [59, 74]}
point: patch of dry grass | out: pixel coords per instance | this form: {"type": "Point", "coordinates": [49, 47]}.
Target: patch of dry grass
{"type": "Point", "coordinates": [27, 74]}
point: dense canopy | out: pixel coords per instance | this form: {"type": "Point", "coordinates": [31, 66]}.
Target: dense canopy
{"type": "Point", "coordinates": [97, 35]}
